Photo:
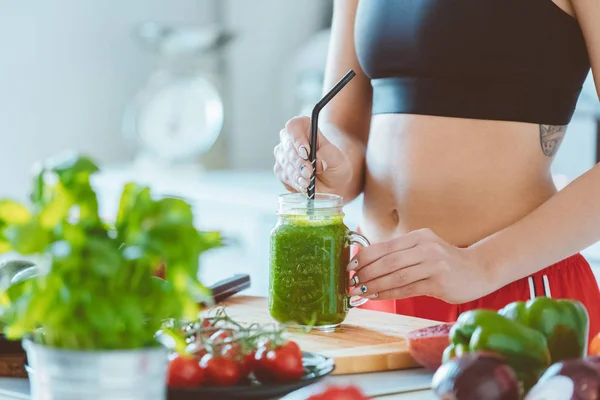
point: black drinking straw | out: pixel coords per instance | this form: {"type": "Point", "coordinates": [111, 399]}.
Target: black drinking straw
{"type": "Point", "coordinates": [314, 126]}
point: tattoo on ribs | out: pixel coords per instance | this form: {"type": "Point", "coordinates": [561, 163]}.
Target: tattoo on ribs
{"type": "Point", "coordinates": [550, 138]}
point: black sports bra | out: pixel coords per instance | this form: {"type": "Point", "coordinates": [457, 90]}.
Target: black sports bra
{"type": "Point", "coordinates": [514, 60]}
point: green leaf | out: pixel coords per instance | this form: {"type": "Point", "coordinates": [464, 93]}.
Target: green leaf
{"type": "Point", "coordinates": [134, 205]}
{"type": "Point", "coordinates": [5, 246]}
{"type": "Point", "coordinates": [29, 238]}
{"type": "Point", "coordinates": [12, 212]}
{"type": "Point", "coordinates": [57, 209]}
{"type": "Point", "coordinates": [74, 235]}
{"type": "Point", "coordinates": [180, 345]}
{"type": "Point", "coordinates": [37, 194]}
{"type": "Point", "coordinates": [175, 211]}
{"type": "Point", "coordinates": [102, 315]}
{"type": "Point", "coordinates": [16, 290]}
{"type": "Point", "coordinates": [72, 169]}
{"type": "Point", "coordinates": [199, 293]}
{"type": "Point", "coordinates": [209, 240]}
{"type": "Point", "coordinates": [126, 203]}
{"type": "Point", "coordinates": [103, 255]}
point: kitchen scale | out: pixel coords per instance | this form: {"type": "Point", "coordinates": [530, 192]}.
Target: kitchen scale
{"type": "Point", "coordinates": [177, 117]}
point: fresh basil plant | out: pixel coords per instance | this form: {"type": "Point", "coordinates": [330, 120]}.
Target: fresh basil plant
{"type": "Point", "coordinates": [100, 291]}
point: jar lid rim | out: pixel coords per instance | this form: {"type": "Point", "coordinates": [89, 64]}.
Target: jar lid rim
{"type": "Point", "coordinates": [301, 201]}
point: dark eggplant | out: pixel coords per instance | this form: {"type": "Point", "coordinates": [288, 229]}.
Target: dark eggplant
{"type": "Point", "coordinates": [569, 380]}
{"type": "Point", "coordinates": [476, 376]}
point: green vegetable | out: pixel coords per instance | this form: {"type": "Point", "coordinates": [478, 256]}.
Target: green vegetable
{"type": "Point", "coordinates": [100, 291]}
{"type": "Point", "coordinates": [564, 323]}
{"type": "Point", "coordinates": [524, 349]}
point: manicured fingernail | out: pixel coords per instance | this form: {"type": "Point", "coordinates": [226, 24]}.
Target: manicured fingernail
{"type": "Point", "coordinates": [324, 165]}
{"type": "Point", "coordinates": [354, 281]}
{"type": "Point", "coordinates": [359, 291]}
{"type": "Point", "coordinates": [373, 296]}
{"type": "Point", "coordinates": [304, 171]}
{"type": "Point", "coordinates": [303, 152]}
{"type": "Point", "coordinates": [302, 182]}
{"type": "Point", "coordinates": [352, 265]}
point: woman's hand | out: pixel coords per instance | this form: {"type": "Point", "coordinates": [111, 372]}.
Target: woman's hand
{"type": "Point", "coordinates": [420, 263]}
{"type": "Point", "coordinates": [292, 164]}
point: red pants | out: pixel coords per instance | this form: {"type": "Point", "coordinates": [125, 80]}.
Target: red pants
{"type": "Point", "coordinates": [571, 278]}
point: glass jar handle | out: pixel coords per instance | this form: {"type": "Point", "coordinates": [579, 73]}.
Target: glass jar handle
{"type": "Point", "coordinates": [355, 238]}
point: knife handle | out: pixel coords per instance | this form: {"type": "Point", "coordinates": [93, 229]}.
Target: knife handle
{"type": "Point", "coordinates": [230, 286]}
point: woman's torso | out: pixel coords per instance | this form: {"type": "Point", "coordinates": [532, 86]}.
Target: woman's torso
{"type": "Point", "coordinates": [464, 178]}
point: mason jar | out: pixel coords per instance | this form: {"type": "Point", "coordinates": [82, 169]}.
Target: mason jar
{"type": "Point", "coordinates": [309, 253]}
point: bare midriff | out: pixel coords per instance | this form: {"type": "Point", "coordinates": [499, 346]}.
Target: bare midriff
{"type": "Point", "coordinates": [464, 179]}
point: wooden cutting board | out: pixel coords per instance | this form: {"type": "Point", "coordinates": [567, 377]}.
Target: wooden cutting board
{"type": "Point", "coordinates": [368, 341]}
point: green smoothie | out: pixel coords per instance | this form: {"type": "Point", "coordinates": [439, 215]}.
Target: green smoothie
{"type": "Point", "coordinates": [308, 278]}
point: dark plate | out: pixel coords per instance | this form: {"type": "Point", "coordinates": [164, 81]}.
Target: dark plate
{"type": "Point", "coordinates": [316, 368]}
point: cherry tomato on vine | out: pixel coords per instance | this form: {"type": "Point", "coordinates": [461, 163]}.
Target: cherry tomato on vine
{"type": "Point", "coordinates": [185, 371]}
{"type": "Point", "coordinates": [220, 371]}
{"type": "Point", "coordinates": [281, 363]}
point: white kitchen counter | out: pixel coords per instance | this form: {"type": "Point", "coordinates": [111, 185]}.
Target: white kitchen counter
{"type": "Point", "coordinates": [406, 384]}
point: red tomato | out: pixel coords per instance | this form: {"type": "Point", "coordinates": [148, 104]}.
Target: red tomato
{"type": "Point", "coordinates": [247, 364]}
{"type": "Point", "coordinates": [339, 393]}
{"type": "Point", "coordinates": [293, 346]}
{"type": "Point", "coordinates": [246, 361]}
{"type": "Point", "coordinates": [282, 364]}
{"type": "Point", "coordinates": [185, 372]}
{"type": "Point", "coordinates": [427, 345]}
{"type": "Point", "coordinates": [220, 371]}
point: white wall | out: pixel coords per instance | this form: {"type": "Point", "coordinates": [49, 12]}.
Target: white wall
{"type": "Point", "coordinates": [271, 32]}
{"type": "Point", "coordinates": [578, 151]}
{"type": "Point", "coordinates": [68, 68]}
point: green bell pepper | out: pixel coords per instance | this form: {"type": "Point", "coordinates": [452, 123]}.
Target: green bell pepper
{"type": "Point", "coordinates": [564, 323]}
{"type": "Point", "coordinates": [525, 349]}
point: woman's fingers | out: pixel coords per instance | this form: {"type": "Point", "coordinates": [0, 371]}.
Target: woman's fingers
{"type": "Point", "coordinates": [281, 170]}
{"type": "Point", "coordinates": [292, 155]}
{"type": "Point", "coordinates": [321, 164]}
{"type": "Point", "coordinates": [419, 288]}
{"type": "Point", "coordinates": [371, 254]}
{"type": "Point", "coordinates": [414, 239]}
{"type": "Point", "coordinates": [298, 134]}
{"type": "Point", "coordinates": [397, 279]}
{"type": "Point", "coordinates": [289, 167]}
{"type": "Point", "coordinates": [388, 264]}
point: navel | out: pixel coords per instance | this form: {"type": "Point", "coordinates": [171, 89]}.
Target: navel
{"type": "Point", "coordinates": [395, 218]}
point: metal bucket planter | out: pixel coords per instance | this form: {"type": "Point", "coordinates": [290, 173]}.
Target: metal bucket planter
{"type": "Point", "coordinates": [57, 374]}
